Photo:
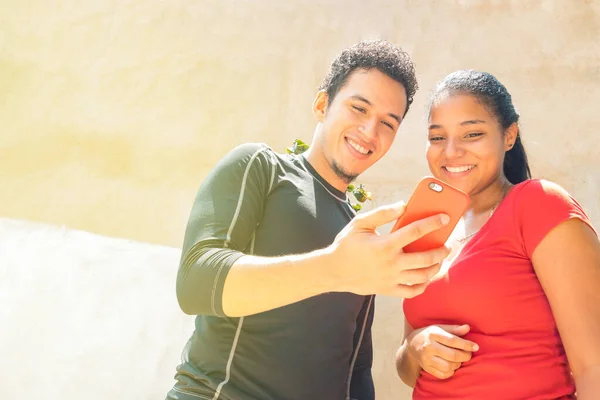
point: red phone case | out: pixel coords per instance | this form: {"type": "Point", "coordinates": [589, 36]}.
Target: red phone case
{"type": "Point", "coordinates": [428, 200]}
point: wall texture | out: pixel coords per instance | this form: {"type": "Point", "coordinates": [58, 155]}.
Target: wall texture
{"type": "Point", "coordinates": [113, 112]}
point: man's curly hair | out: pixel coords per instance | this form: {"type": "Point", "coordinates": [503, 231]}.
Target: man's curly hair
{"type": "Point", "coordinates": [380, 54]}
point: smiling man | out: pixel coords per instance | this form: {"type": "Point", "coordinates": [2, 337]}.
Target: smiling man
{"type": "Point", "coordinates": [278, 270]}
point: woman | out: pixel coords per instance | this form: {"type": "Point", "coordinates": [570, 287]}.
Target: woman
{"type": "Point", "coordinates": [515, 311]}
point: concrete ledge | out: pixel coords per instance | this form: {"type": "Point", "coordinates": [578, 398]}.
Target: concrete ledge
{"type": "Point", "coordinates": [84, 316]}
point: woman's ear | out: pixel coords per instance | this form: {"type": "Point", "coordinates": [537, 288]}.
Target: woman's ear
{"type": "Point", "coordinates": [510, 136]}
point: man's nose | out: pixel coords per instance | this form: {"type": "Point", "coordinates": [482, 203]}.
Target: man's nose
{"type": "Point", "coordinates": [369, 128]}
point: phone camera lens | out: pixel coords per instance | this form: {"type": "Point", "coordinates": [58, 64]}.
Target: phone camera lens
{"type": "Point", "coordinates": [436, 187]}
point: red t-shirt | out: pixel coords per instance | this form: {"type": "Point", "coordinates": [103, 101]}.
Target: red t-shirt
{"type": "Point", "coordinates": [492, 286]}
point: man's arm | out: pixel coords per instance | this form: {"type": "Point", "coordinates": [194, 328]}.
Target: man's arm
{"type": "Point", "coordinates": [361, 384]}
{"type": "Point", "coordinates": [360, 261]}
{"type": "Point", "coordinates": [225, 213]}
{"type": "Point", "coordinates": [218, 273]}
{"type": "Point", "coordinates": [217, 276]}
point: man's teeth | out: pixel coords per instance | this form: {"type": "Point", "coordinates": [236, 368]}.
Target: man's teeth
{"type": "Point", "coordinates": [460, 169]}
{"type": "Point", "coordinates": [358, 147]}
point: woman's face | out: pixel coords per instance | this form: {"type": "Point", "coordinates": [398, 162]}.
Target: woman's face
{"type": "Point", "coordinates": [466, 144]}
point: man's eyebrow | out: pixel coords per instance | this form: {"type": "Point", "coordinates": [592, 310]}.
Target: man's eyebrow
{"type": "Point", "coordinates": [361, 98]}
{"type": "Point", "coordinates": [468, 122]}
{"type": "Point", "coordinates": [396, 117]}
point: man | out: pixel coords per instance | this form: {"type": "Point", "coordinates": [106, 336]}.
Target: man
{"type": "Point", "coordinates": [278, 271]}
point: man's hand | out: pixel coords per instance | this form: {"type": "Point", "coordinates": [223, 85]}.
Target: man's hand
{"type": "Point", "coordinates": [365, 262]}
{"type": "Point", "coordinates": [359, 261]}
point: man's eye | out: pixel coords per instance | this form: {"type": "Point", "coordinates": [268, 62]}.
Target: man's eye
{"type": "Point", "coordinates": [435, 138]}
{"type": "Point", "coordinates": [359, 109]}
{"type": "Point", "coordinates": [388, 125]}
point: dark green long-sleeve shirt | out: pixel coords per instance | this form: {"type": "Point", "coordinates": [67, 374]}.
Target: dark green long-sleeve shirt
{"type": "Point", "coordinates": [256, 201]}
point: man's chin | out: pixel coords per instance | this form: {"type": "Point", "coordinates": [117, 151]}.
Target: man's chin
{"type": "Point", "coordinates": [350, 179]}
{"type": "Point", "coordinates": [346, 177]}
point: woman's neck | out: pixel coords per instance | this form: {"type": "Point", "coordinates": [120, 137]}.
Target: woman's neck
{"type": "Point", "coordinates": [489, 198]}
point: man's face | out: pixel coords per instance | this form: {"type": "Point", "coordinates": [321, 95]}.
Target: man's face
{"type": "Point", "coordinates": [359, 126]}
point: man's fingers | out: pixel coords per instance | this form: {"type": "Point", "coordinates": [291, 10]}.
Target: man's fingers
{"type": "Point", "coordinates": [415, 276]}
{"type": "Point", "coordinates": [422, 259]}
{"type": "Point", "coordinates": [418, 229]}
{"type": "Point", "coordinates": [379, 216]}
{"type": "Point", "coordinates": [406, 291]}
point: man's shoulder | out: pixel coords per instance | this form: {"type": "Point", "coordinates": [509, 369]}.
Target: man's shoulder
{"type": "Point", "coordinates": [248, 153]}
{"type": "Point", "coordinates": [261, 154]}
{"type": "Point", "coordinates": [246, 150]}
{"type": "Point", "coordinates": [256, 160]}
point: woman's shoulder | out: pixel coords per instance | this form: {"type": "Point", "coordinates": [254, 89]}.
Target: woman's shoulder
{"type": "Point", "coordinates": [541, 189]}
{"type": "Point", "coordinates": [536, 199]}
{"type": "Point", "coordinates": [539, 205]}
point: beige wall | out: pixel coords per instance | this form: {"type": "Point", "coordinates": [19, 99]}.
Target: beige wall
{"type": "Point", "coordinates": [113, 112]}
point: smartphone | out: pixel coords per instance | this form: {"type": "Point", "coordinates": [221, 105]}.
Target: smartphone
{"type": "Point", "coordinates": [431, 197]}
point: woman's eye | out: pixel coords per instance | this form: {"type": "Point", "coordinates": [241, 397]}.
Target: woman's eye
{"type": "Point", "coordinates": [474, 134]}
{"type": "Point", "coordinates": [435, 138]}
{"type": "Point", "coordinates": [359, 109]}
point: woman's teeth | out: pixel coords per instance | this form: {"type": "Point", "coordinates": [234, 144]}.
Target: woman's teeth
{"type": "Point", "coordinates": [459, 169]}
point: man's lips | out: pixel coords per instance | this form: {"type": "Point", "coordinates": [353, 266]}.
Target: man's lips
{"type": "Point", "coordinates": [361, 148]}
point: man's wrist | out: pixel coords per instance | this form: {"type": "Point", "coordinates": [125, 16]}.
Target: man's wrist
{"type": "Point", "coordinates": [328, 271]}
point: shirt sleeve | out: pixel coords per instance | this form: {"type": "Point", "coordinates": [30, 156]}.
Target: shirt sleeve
{"type": "Point", "coordinates": [361, 383]}
{"type": "Point", "coordinates": [542, 206]}
{"type": "Point", "coordinates": [224, 216]}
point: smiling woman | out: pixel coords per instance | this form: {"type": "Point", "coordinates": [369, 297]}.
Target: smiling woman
{"type": "Point", "coordinates": [509, 316]}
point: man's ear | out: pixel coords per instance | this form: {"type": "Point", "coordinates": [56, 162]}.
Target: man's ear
{"type": "Point", "coordinates": [510, 136]}
{"type": "Point", "coordinates": [320, 105]}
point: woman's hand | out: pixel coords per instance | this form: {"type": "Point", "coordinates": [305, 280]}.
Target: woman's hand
{"type": "Point", "coordinates": [440, 350]}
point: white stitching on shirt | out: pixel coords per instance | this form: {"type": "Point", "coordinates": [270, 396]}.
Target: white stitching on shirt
{"type": "Point", "coordinates": [273, 167]}
{"type": "Point", "coordinates": [230, 360]}
{"type": "Point", "coordinates": [235, 341]}
{"type": "Point", "coordinates": [191, 394]}
{"type": "Point", "coordinates": [232, 225]}
{"type": "Point", "coordinates": [362, 333]}
{"type": "Point", "coordinates": [321, 183]}
{"type": "Point", "coordinates": [241, 321]}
